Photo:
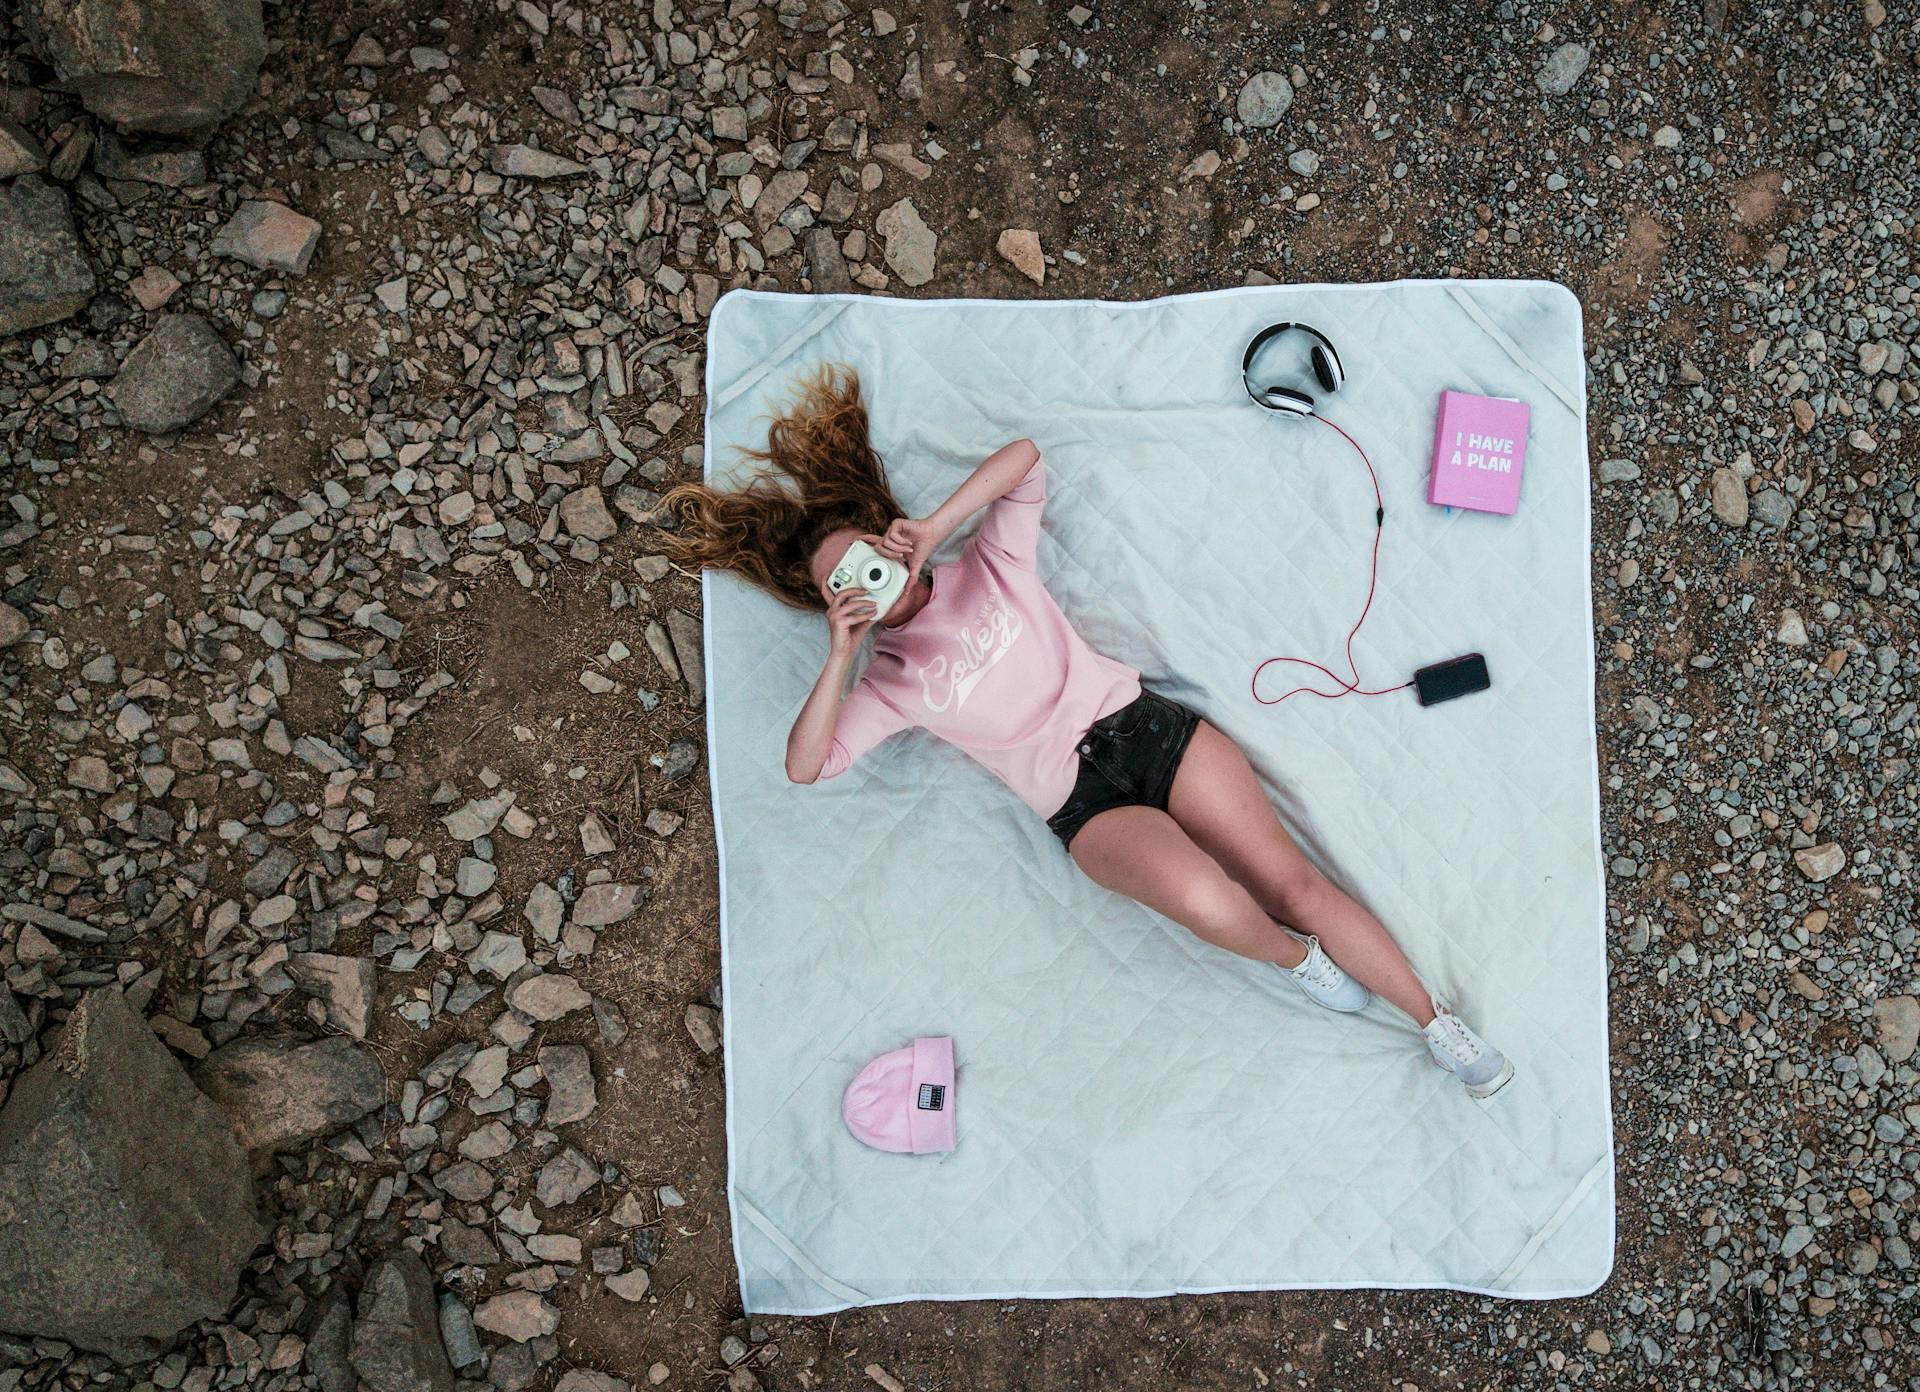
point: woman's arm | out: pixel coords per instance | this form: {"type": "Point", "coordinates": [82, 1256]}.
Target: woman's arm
{"type": "Point", "coordinates": [914, 540]}
{"type": "Point", "coordinates": [811, 739]}
{"type": "Point", "coordinates": [997, 474]}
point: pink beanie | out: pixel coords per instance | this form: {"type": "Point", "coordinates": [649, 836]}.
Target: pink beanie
{"type": "Point", "coordinates": [904, 1100]}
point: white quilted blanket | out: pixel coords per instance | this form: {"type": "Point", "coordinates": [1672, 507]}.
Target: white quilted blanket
{"type": "Point", "coordinates": [1140, 1114]}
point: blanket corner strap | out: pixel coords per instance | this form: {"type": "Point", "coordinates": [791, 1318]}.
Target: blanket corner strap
{"type": "Point", "coordinates": [1521, 358]}
{"type": "Point", "coordinates": [1554, 1223]}
{"type": "Point", "coordinates": [796, 1256]}
{"type": "Point", "coordinates": [777, 356]}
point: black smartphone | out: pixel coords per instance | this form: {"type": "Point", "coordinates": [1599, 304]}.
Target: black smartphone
{"type": "Point", "coordinates": [1457, 676]}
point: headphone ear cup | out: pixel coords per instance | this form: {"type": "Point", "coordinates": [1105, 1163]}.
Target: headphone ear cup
{"type": "Point", "coordinates": [1288, 401]}
{"type": "Point", "coordinates": [1327, 368]}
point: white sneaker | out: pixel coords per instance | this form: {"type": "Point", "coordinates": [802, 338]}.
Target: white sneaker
{"type": "Point", "coordinates": [1323, 982]}
{"type": "Point", "coordinates": [1480, 1067]}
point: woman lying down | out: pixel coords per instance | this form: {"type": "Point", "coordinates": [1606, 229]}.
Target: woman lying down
{"type": "Point", "coordinates": [1148, 799]}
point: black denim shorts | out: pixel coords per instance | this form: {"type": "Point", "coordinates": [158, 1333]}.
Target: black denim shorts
{"type": "Point", "coordinates": [1127, 759]}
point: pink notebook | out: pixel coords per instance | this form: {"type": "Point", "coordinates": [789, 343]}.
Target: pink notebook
{"type": "Point", "coordinates": [1479, 450]}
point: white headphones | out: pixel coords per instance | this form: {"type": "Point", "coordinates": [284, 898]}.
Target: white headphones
{"type": "Point", "coordinates": [1287, 400]}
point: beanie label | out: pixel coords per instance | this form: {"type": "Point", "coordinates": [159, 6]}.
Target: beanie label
{"type": "Point", "coordinates": [933, 1097]}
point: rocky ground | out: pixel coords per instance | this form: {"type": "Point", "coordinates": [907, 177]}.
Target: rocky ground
{"type": "Point", "coordinates": [344, 700]}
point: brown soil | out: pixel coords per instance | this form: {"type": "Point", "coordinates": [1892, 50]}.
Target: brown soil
{"type": "Point", "coordinates": [1096, 167]}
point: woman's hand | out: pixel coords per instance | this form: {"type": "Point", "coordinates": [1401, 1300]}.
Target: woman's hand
{"type": "Point", "coordinates": [911, 541]}
{"type": "Point", "coordinates": [848, 615]}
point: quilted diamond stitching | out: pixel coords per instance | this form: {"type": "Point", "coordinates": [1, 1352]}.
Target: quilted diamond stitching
{"type": "Point", "coordinates": [1337, 1241]}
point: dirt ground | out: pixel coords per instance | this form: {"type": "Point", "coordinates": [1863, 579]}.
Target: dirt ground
{"type": "Point", "coordinates": [1093, 158]}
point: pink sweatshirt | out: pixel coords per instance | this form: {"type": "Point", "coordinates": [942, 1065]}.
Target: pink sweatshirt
{"type": "Point", "coordinates": [990, 664]}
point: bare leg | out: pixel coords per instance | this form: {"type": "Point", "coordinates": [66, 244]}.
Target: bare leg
{"type": "Point", "coordinates": [1219, 802]}
{"type": "Point", "coordinates": [1142, 853]}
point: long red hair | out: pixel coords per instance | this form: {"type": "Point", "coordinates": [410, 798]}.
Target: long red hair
{"type": "Point", "coordinates": [821, 473]}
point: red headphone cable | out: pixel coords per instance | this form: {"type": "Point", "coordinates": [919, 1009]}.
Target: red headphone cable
{"type": "Point", "coordinates": [1347, 688]}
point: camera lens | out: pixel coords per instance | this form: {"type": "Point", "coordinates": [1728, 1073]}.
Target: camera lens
{"type": "Point", "coordinates": [876, 574]}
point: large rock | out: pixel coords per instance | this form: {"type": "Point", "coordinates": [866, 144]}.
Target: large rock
{"type": "Point", "coordinates": [571, 1095]}
{"type": "Point", "coordinates": [583, 513]}
{"type": "Point", "coordinates": [1896, 1024]}
{"type": "Point", "coordinates": [20, 150]}
{"type": "Point", "coordinates": [547, 996]}
{"type": "Point", "coordinates": [126, 1204]}
{"type": "Point", "coordinates": [1562, 69]}
{"type": "Point", "coordinates": [345, 985]}
{"type": "Point", "coordinates": [43, 276]}
{"type": "Point", "coordinates": [170, 164]}
{"type": "Point", "coordinates": [283, 1092]}
{"type": "Point", "coordinates": [1821, 863]}
{"type": "Point", "coordinates": [589, 1380]}
{"type": "Point", "coordinates": [270, 236]}
{"type": "Point", "coordinates": [1729, 494]}
{"type": "Point", "coordinates": [826, 267]}
{"type": "Point", "coordinates": [689, 647]}
{"type": "Point", "coordinates": [14, 625]}
{"type": "Point", "coordinates": [527, 162]}
{"type": "Point", "coordinates": [396, 1330]}
{"type": "Point", "coordinates": [330, 1343]}
{"type": "Point", "coordinates": [600, 905]}
{"type": "Point", "coordinates": [1264, 99]}
{"type": "Point", "coordinates": [565, 1178]}
{"type": "Point", "coordinates": [1021, 247]}
{"type": "Point", "coordinates": [457, 1334]}
{"type": "Point", "coordinates": [180, 65]}
{"type": "Point", "coordinates": [174, 375]}
{"type": "Point", "coordinates": [911, 244]}
{"type": "Point", "coordinates": [517, 1315]}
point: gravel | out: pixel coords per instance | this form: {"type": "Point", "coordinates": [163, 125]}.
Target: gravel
{"type": "Point", "coordinates": [355, 707]}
